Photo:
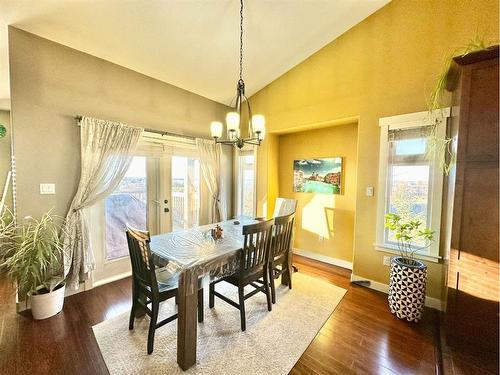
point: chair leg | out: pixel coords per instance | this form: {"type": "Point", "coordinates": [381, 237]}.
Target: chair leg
{"type": "Point", "coordinates": [152, 325]}
{"type": "Point", "coordinates": [241, 295]}
{"type": "Point", "coordinates": [211, 297]}
{"type": "Point", "coordinates": [290, 272]}
{"type": "Point", "coordinates": [132, 310]}
{"type": "Point", "coordinates": [273, 288]}
{"type": "Point", "coordinates": [266, 289]}
{"type": "Point", "coordinates": [200, 305]}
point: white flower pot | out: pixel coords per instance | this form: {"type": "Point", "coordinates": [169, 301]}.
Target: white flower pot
{"type": "Point", "coordinates": [44, 306]}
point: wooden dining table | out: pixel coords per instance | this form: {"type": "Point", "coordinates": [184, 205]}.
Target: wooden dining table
{"type": "Point", "coordinates": [197, 254]}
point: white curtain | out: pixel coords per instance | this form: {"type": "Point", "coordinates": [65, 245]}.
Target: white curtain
{"type": "Point", "coordinates": [210, 156]}
{"type": "Point", "coordinates": [106, 152]}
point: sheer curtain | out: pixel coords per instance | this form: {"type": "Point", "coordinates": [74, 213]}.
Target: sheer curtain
{"type": "Point", "coordinates": [210, 155]}
{"type": "Point", "coordinates": [106, 153]}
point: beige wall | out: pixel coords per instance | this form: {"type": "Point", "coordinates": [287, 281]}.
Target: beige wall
{"type": "Point", "coordinates": [5, 156]}
{"type": "Point", "coordinates": [324, 222]}
{"type": "Point", "coordinates": [51, 83]}
{"type": "Point", "coordinates": [384, 66]}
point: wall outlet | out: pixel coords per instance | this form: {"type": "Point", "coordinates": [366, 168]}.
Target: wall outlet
{"type": "Point", "coordinates": [387, 260]}
{"type": "Point", "coordinates": [369, 191]}
{"type": "Point", "coordinates": [47, 188]}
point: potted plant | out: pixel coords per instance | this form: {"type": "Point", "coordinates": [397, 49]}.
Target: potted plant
{"type": "Point", "coordinates": [408, 275]}
{"type": "Point", "coordinates": [32, 255]}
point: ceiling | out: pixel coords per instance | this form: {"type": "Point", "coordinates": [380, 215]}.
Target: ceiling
{"type": "Point", "coordinates": [192, 44]}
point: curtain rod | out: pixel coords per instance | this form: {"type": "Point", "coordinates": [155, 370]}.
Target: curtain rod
{"type": "Point", "coordinates": [161, 132]}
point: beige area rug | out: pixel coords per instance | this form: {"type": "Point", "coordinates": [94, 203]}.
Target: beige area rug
{"type": "Point", "coordinates": [271, 344]}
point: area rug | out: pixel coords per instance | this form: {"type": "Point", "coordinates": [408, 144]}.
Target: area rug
{"type": "Point", "coordinates": [271, 344]}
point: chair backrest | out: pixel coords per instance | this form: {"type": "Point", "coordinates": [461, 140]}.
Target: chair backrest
{"type": "Point", "coordinates": [256, 246]}
{"type": "Point", "coordinates": [282, 235]}
{"type": "Point", "coordinates": [143, 268]}
{"type": "Point", "coordinates": [284, 206]}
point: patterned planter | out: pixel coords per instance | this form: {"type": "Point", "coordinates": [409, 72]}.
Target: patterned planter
{"type": "Point", "coordinates": [407, 289]}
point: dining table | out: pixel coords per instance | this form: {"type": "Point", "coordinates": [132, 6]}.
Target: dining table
{"type": "Point", "coordinates": [197, 254]}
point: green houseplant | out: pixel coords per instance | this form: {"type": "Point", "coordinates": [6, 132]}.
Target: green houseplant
{"type": "Point", "coordinates": [440, 148]}
{"type": "Point", "coordinates": [408, 276]}
{"type": "Point", "coordinates": [32, 255]}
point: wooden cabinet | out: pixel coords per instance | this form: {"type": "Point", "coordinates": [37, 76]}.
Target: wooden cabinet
{"type": "Point", "coordinates": [473, 271]}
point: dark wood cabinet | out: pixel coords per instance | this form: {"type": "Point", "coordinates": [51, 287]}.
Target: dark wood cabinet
{"type": "Point", "coordinates": [471, 318]}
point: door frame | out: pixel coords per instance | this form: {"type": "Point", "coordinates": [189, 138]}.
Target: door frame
{"type": "Point", "coordinates": [151, 145]}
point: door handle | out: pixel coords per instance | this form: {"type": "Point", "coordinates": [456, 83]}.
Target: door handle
{"type": "Point", "coordinates": [166, 209]}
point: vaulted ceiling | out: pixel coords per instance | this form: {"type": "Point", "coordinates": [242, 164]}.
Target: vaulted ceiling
{"type": "Point", "coordinates": [192, 44]}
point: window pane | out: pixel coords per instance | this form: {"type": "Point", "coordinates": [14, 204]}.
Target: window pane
{"type": "Point", "coordinates": [409, 194]}
{"type": "Point", "coordinates": [126, 205]}
{"type": "Point", "coordinates": [415, 146]}
{"type": "Point", "coordinates": [246, 185]}
{"type": "Point", "coordinates": [185, 192]}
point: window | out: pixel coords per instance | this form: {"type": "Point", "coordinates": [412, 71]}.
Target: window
{"type": "Point", "coordinates": [410, 185]}
{"type": "Point", "coordinates": [185, 192]}
{"type": "Point", "coordinates": [126, 205]}
{"type": "Point", "coordinates": [246, 182]}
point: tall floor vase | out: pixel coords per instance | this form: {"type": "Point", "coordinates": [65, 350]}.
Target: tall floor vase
{"type": "Point", "coordinates": [408, 279]}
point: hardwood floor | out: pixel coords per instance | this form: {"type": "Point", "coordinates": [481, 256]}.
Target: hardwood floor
{"type": "Point", "coordinates": [361, 336]}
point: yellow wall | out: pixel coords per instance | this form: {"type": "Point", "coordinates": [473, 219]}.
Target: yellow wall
{"type": "Point", "coordinates": [386, 65]}
{"type": "Point", "coordinates": [324, 222]}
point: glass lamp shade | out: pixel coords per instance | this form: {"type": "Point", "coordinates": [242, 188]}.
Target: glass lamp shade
{"type": "Point", "coordinates": [233, 121]}
{"type": "Point", "coordinates": [258, 124]}
{"type": "Point", "coordinates": [216, 129]}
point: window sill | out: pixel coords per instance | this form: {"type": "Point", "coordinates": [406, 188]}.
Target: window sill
{"type": "Point", "coordinates": [394, 250]}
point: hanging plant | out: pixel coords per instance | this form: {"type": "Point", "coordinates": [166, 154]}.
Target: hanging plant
{"type": "Point", "coordinates": [3, 131]}
{"type": "Point", "coordinates": [440, 148]}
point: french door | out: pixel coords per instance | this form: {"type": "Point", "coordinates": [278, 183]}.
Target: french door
{"type": "Point", "coordinates": [160, 192]}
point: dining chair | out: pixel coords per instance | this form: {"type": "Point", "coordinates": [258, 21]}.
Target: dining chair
{"type": "Point", "coordinates": [284, 206]}
{"type": "Point", "coordinates": [281, 251]}
{"type": "Point", "coordinates": [254, 263]}
{"type": "Point", "coordinates": [152, 285]}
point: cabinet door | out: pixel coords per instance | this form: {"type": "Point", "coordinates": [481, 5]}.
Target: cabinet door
{"type": "Point", "coordinates": [473, 275]}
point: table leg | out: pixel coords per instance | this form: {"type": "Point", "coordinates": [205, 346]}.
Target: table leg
{"type": "Point", "coordinates": [187, 319]}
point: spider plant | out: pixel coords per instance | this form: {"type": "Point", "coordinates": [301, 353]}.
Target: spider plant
{"type": "Point", "coordinates": [32, 253]}
{"type": "Point", "coordinates": [440, 148]}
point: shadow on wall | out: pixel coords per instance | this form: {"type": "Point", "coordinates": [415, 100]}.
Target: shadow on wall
{"type": "Point", "coordinates": [312, 218]}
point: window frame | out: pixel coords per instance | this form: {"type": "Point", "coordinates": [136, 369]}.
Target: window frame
{"type": "Point", "coordinates": [406, 121]}
{"type": "Point", "coordinates": [245, 151]}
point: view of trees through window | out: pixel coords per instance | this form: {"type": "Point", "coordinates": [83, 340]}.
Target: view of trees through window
{"type": "Point", "coordinates": [409, 182]}
{"type": "Point", "coordinates": [126, 205]}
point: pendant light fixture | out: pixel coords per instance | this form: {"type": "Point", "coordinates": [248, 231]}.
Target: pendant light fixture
{"type": "Point", "coordinates": [256, 123]}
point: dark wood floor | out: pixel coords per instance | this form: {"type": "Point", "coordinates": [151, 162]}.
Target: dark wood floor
{"type": "Point", "coordinates": [361, 336]}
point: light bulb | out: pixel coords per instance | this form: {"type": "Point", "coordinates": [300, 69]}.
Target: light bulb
{"type": "Point", "coordinates": [258, 124]}
{"type": "Point", "coordinates": [233, 121]}
{"type": "Point", "coordinates": [216, 129]}
{"type": "Point", "coordinates": [262, 134]}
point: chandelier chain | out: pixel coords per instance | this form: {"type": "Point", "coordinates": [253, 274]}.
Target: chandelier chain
{"type": "Point", "coordinates": [241, 40]}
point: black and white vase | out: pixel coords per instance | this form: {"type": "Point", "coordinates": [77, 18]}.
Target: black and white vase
{"type": "Point", "coordinates": [407, 288]}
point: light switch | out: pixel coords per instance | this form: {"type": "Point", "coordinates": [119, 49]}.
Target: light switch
{"type": "Point", "coordinates": [47, 188]}
{"type": "Point", "coordinates": [369, 191]}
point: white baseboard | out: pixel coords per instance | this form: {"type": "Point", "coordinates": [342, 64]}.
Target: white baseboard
{"type": "Point", "coordinates": [431, 302]}
{"type": "Point", "coordinates": [110, 279]}
{"type": "Point", "coordinates": [324, 258]}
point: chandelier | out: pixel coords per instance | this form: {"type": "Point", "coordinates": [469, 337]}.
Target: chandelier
{"type": "Point", "coordinates": [256, 123]}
